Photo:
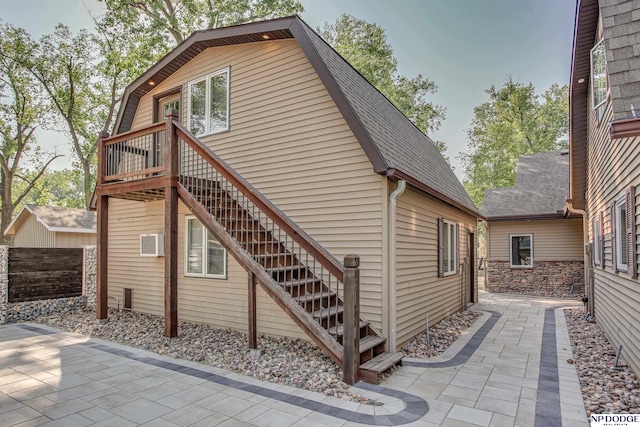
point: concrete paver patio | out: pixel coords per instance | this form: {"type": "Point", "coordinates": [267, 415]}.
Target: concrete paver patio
{"type": "Point", "coordinates": [509, 369]}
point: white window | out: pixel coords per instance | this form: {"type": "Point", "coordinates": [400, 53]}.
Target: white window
{"type": "Point", "coordinates": [621, 234]}
{"type": "Point", "coordinates": [597, 242]}
{"type": "Point", "coordinates": [449, 247]}
{"type": "Point", "coordinates": [598, 75]}
{"type": "Point", "coordinates": [521, 250]}
{"type": "Point", "coordinates": [204, 256]}
{"type": "Point", "coordinates": [209, 103]}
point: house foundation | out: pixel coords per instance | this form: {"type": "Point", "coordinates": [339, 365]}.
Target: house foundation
{"type": "Point", "coordinates": [548, 278]}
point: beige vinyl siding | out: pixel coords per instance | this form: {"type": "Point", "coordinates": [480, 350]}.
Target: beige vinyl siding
{"type": "Point", "coordinates": [288, 139]}
{"type": "Point", "coordinates": [74, 240]}
{"type": "Point", "coordinates": [33, 234]}
{"type": "Point", "coordinates": [613, 166]}
{"type": "Point", "coordinates": [220, 302]}
{"type": "Point", "coordinates": [419, 290]}
{"type": "Point", "coordinates": [553, 240]}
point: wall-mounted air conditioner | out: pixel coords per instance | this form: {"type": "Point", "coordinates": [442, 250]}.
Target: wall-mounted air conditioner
{"type": "Point", "coordinates": [152, 244]}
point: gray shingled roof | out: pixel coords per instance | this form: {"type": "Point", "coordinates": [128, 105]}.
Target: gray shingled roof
{"type": "Point", "coordinates": [621, 26]}
{"type": "Point", "coordinates": [64, 219]}
{"type": "Point", "coordinates": [392, 143]}
{"type": "Point", "coordinates": [399, 142]}
{"type": "Point", "coordinates": [542, 185]}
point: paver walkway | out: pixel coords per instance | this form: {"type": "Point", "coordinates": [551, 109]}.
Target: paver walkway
{"type": "Point", "coordinates": [507, 370]}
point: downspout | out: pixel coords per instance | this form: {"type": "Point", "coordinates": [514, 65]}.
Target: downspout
{"type": "Point", "coordinates": [588, 283]}
{"type": "Point", "coordinates": [391, 251]}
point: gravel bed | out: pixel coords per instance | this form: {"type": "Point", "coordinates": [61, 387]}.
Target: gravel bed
{"type": "Point", "coordinates": [286, 361]}
{"type": "Point", "coordinates": [441, 335]}
{"type": "Point", "coordinates": [606, 389]}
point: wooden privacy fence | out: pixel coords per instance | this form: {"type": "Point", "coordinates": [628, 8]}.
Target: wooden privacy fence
{"type": "Point", "coordinates": [44, 273]}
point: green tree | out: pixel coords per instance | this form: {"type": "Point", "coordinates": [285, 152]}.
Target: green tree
{"type": "Point", "coordinates": [22, 111]}
{"type": "Point", "coordinates": [515, 121]}
{"type": "Point", "coordinates": [177, 19]}
{"type": "Point", "coordinates": [364, 45]}
{"type": "Point", "coordinates": [64, 188]}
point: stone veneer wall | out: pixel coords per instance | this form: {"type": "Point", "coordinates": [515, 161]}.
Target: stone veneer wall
{"type": "Point", "coordinates": [25, 311]}
{"type": "Point", "coordinates": [549, 278]}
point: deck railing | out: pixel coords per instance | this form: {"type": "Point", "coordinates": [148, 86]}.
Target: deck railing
{"type": "Point", "coordinates": [134, 155]}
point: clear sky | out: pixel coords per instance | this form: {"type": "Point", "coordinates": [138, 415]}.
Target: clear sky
{"type": "Point", "coordinates": [464, 46]}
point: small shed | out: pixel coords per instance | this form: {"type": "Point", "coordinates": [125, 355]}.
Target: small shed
{"type": "Point", "coordinates": [52, 227]}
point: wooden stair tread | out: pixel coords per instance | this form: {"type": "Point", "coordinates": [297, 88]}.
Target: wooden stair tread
{"type": "Point", "coordinates": [370, 341]}
{"type": "Point", "coordinates": [314, 296]}
{"type": "Point", "coordinates": [382, 362]}
{"type": "Point", "coordinates": [339, 330]}
{"type": "Point", "coordinates": [285, 268]}
{"type": "Point", "coordinates": [300, 282]}
{"type": "Point", "coordinates": [327, 312]}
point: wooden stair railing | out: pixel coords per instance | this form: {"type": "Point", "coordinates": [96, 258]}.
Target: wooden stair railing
{"type": "Point", "coordinates": [304, 279]}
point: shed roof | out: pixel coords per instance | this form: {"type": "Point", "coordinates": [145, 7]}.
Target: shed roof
{"type": "Point", "coordinates": [542, 185]}
{"type": "Point", "coordinates": [54, 218]}
{"type": "Point", "coordinates": [394, 146]}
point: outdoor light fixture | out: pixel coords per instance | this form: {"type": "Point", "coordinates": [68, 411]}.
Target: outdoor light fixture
{"type": "Point", "coordinates": [580, 80]}
{"type": "Point", "coordinates": [152, 83]}
{"type": "Point", "coordinates": [265, 36]}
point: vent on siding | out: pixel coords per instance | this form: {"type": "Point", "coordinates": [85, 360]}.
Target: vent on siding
{"type": "Point", "coordinates": [128, 299]}
{"type": "Point", "coordinates": [152, 244]}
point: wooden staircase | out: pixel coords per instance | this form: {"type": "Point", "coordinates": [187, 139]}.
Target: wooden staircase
{"type": "Point", "coordinates": [318, 297]}
{"type": "Point", "coordinates": [298, 273]}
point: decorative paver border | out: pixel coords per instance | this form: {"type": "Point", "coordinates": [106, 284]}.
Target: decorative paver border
{"type": "Point", "coordinates": [548, 408]}
{"type": "Point", "coordinates": [415, 407]}
{"type": "Point", "coordinates": [466, 352]}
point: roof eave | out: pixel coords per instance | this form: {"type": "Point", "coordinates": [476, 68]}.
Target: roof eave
{"type": "Point", "coordinates": [394, 173]}
{"type": "Point", "coordinates": [72, 230]}
{"type": "Point", "coordinates": [527, 217]}
{"type": "Point", "coordinates": [13, 222]}
{"type": "Point", "coordinates": [586, 19]}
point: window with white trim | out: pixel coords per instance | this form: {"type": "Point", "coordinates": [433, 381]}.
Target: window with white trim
{"type": "Point", "coordinates": [204, 256]}
{"type": "Point", "coordinates": [621, 234]}
{"type": "Point", "coordinates": [596, 233]}
{"type": "Point", "coordinates": [209, 103]}
{"type": "Point", "coordinates": [521, 250]}
{"type": "Point", "coordinates": [449, 247]}
{"type": "Point", "coordinates": [598, 75]}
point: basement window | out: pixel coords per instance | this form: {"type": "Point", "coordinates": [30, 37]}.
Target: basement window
{"type": "Point", "coordinates": [209, 103]}
{"type": "Point", "coordinates": [521, 250]}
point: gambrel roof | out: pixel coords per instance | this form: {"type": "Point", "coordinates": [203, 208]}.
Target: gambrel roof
{"type": "Point", "coordinates": [394, 146]}
{"type": "Point", "coordinates": [542, 185]}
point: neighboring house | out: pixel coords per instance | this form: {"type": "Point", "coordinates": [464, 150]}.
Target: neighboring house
{"type": "Point", "coordinates": [605, 161]}
{"type": "Point", "coordinates": [292, 161]}
{"type": "Point", "coordinates": [532, 246]}
{"type": "Point", "coordinates": [52, 227]}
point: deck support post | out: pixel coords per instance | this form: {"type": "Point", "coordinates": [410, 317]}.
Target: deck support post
{"type": "Point", "coordinates": [102, 260]}
{"type": "Point", "coordinates": [102, 250]}
{"type": "Point", "coordinates": [253, 330]}
{"type": "Point", "coordinates": [171, 231]}
{"type": "Point", "coordinates": [351, 320]}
